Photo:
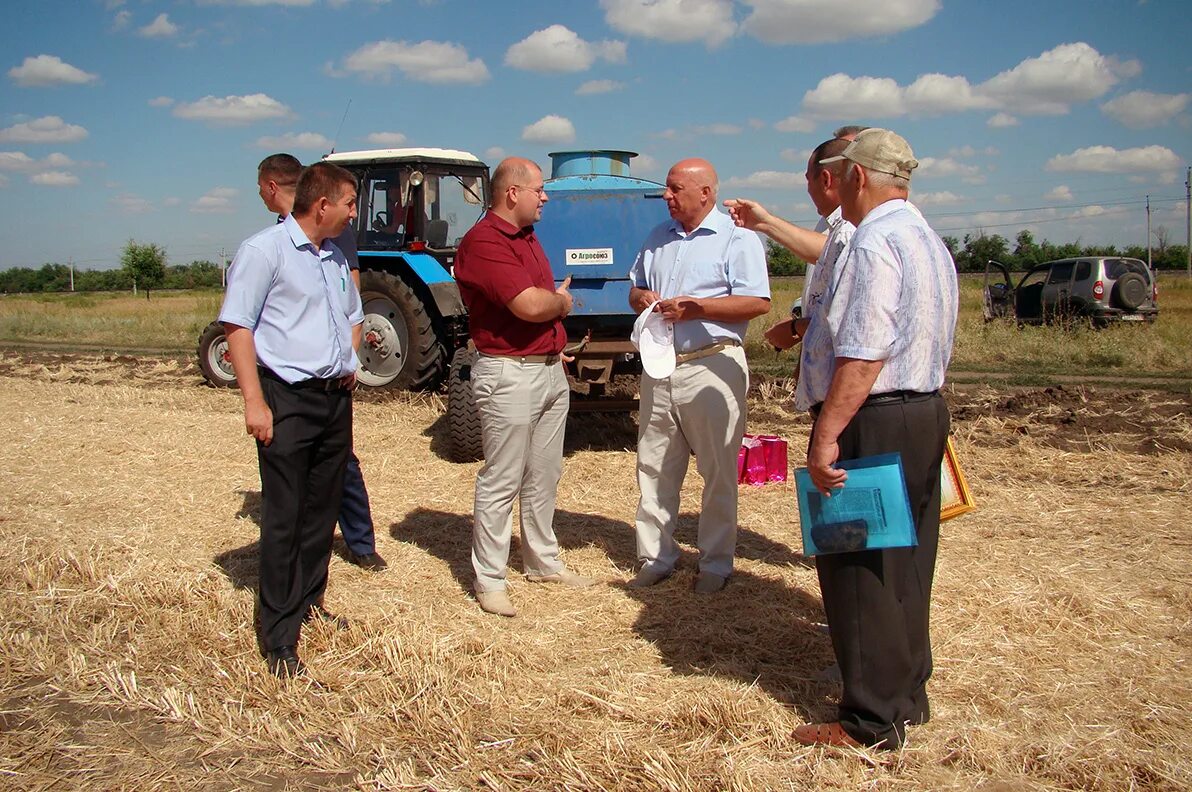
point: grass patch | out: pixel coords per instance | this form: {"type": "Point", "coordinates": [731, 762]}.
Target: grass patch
{"type": "Point", "coordinates": [170, 320]}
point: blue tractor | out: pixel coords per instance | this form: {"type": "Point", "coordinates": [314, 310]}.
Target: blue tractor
{"type": "Point", "coordinates": [416, 205]}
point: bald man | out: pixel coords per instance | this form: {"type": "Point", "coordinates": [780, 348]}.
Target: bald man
{"type": "Point", "coordinates": [709, 278]}
{"type": "Point", "coordinates": [515, 315]}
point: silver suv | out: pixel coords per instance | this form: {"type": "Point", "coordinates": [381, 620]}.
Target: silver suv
{"type": "Point", "coordinates": [1100, 289]}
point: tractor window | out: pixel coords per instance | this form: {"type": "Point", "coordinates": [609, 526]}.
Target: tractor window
{"type": "Point", "coordinates": [385, 217]}
{"type": "Point", "coordinates": [453, 205]}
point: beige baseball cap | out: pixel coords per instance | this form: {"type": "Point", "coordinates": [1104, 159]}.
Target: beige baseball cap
{"type": "Point", "coordinates": [880, 150]}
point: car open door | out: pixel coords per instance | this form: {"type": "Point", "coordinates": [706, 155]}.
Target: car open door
{"type": "Point", "coordinates": [998, 295]}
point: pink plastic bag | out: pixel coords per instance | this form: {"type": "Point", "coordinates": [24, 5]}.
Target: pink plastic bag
{"type": "Point", "coordinates": [762, 458]}
{"type": "Point", "coordinates": [774, 450]}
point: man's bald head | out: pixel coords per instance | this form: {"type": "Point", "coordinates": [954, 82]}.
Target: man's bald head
{"type": "Point", "coordinates": [511, 171]}
{"type": "Point", "coordinates": [517, 191]}
{"type": "Point", "coordinates": [690, 194]}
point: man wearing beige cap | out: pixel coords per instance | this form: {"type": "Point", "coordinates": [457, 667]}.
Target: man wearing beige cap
{"type": "Point", "coordinates": [886, 323]}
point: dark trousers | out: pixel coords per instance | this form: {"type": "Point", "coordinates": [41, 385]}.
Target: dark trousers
{"type": "Point", "coordinates": [878, 601]}
{"type": "Point", "coordinates": [302, 474]}
{"type": "Point", "coordinates": [355, 515]}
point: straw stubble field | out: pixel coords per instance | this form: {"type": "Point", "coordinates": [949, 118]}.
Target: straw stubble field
{"type": "Point", "coordinates": [1062, 615]}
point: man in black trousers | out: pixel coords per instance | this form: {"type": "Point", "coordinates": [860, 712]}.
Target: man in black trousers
{"type": "Point", "coordinates": [880, 338]}
{"type": "Point", "coordinates": [293, 319]}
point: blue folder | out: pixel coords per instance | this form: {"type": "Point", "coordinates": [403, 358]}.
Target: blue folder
{"type": "Point", "coordinates": [870, 512]}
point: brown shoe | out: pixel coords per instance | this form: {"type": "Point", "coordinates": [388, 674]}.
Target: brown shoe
{"type": "Point", "coordinates": [825, 734]}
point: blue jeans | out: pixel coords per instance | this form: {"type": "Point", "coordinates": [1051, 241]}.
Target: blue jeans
{"type": "Point", "coordinates": [355, 516]}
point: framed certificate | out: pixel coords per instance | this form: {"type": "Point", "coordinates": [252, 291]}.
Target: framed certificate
{"type": "Point", "coordinates": [955, 498]}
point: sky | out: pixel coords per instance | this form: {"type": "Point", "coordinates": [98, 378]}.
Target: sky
{"type": "Point", "coordinates": [145, 119]}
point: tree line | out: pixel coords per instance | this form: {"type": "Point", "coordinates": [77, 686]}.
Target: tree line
{"type": "Point", "coordinates": [146, 265]}
{"type": "Point", "coordinates": [1024, 252]}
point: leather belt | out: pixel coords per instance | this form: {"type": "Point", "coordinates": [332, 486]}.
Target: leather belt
{"type": "Point", "coordinates": [889, 397]}
{"type": "Point", "coordinates": [544, 359]}
{"type": "Point", "coordinates": [705, 351]}
{"type": "Point", "coordinates": [314, 383]}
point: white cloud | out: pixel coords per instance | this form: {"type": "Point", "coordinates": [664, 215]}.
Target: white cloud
{"type": "Point", "coordinates": [717, 129]}
{"type": "Point", "coordinates": [47, 129]}
{"type": "Point", "coordinates": [1057, 79]}
{"type": "Point", "coordinates": [161, 27]}
{"type": "Point", "coordinates": [644, 163]}
{"type": "Point", "coordinates": [231, 110]}
{"type": "Point", "coordinates": [824, 21]}
{"type": "Point", "coordinates": [494, 154]}
{"type": "Point", "coordinates": [558, 49]}
{"type": "Point", "coordinates": [426, 61]}
{"type": "Point", "coordinates": [1058, 193]}
{"type": "Point", "coordinates": [1142, 109]}
{"type": "Point", "coordinates": [1090, 211]}
{"type": "Point", "coordinates": [43, 70]}
{"type": "Point", "coordinates": [310, 141]}
{"type": "Point", "coordinates": [129, 204]}
{"type": "Point", "coordinates": [1045, 85]}
{"type": "Point", "coordinates": [841, 96]}
{"type": "Point", "coordinates": [549, 129]}
{"type": "Point", "coordinates": [795, 124]}
{"type": "Point", "coordinates": [935, 94]}
{"type": "Point", "coordinates": [799, 156]}
{"type": "Point", "coordinates": [20, 161]}
{"type": "Point", "coordinates": [121, 20]}
{"type": "Point", "coordinates": [386, 139]}
{"type": "Point", "coordinates": [161, 101]}
{"type": "Point", "coordinates": [768, 180]}
{"type": "Point", "coordinates": [932, 167]}
{"type": "Point", "coordinates": [54, 179]}
{"type": "Point", "coordinates": [171, 201]}
{"type": "Point", "coordinates": [944, 198]}
{"type": "Point", "coordinates": [757, 123]}
{"type": "Point", "coordinates": [216, 201]}
{"type": "Point", "coordinates": [1106, 159]}
{"type": "Point", "coordinates": [710, 21]}
{"type": "Point", "coordinates": [598, 87]}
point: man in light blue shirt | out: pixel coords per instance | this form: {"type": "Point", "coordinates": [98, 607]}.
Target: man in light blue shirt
{"type": "Point", "coordinates": [293, 319]}
{"type": "Point", "coordinates": [890, 307]}
{"type": "Point", "coordinates": [709, 278]}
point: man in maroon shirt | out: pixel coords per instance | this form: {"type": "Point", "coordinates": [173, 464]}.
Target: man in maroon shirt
{"type": "Point", "coordinates": [515, 314]}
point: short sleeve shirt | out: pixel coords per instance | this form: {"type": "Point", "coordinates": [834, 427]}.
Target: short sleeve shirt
{"type": "Point", "coordinates": [298, 299]}
{"type": "Point", "coordinates": [817, 360]}
{"type": "Point", "coordinates": [715, 259]}
{"type": "Point", "coordinates": [496, 262]}
{"type": "Point", "coordinates": [893, 297]}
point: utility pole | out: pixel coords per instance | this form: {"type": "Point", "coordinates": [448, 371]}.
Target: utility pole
{"type": "Point", "coordinates": [1149, 265]}
{"type": "Point", "coordinates": [223, 269]}
{"type": "Point", "coordinates": [1188, 218]}
{"type": "Point", "coordinates": [70, 263]}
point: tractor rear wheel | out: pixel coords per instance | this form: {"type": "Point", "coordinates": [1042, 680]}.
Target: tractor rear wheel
{"type": "Point", "coordinates": [214, 361]}
{"type": "Point", "coordinates": [398, 346]}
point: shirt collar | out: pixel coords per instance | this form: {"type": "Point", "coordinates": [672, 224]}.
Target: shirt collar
{"type": "Point", "coordinates": [505, 227]}
{"type": "Point", "coordinates": [713, 222]}
{"type": "Point", "coordinates": [883, 209]}
{"type": "Point", "coordinates": [300, 240]}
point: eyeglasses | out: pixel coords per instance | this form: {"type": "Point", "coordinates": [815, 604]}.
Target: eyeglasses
{"type": "Point", "coordinates": [540, 190]}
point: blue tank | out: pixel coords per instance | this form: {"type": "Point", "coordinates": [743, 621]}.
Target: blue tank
{"type": "Point", "coordinates": [596, 219]}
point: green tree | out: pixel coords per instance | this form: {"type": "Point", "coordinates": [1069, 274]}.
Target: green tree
{"type": "Point", "coordinates": [978, 250]}
{"type": "Point", "coordinates": [145, 264]}
{"type": "Point", "coordinates": [781, 261]}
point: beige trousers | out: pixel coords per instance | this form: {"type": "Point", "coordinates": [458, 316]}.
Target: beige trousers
{"type": "Point", "coordinates": [700, 408]}
{"type": "Point", "coordinates": [523, 415]}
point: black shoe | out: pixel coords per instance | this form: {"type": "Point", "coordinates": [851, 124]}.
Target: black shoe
{"type": "Point", "coordinates": [324, 615]}
{"type": "Point", "coordinates": [283, 662]}
{"type": "Point", "coordinates": [370, 561]}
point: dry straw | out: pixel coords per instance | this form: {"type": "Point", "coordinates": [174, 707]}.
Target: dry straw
{"type": "Point", "coordinates": [127, 659]}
